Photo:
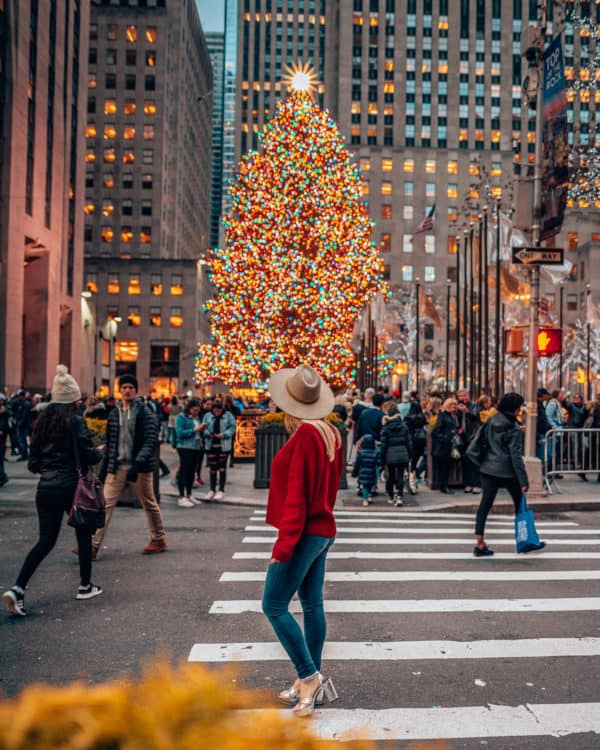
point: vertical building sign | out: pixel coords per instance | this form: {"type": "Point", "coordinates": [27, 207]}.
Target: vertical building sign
{"type": "Point", "coordinates": [555, 147]}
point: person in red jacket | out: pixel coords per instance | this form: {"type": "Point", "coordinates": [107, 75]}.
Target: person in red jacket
{"type": "Point", "coordinates": [305, 477]}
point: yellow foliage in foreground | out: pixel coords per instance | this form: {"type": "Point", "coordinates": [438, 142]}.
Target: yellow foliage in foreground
{"type": "Point", "coordinates": [183, 708]}
{"type": "Point", "coordinates": [187, 708]}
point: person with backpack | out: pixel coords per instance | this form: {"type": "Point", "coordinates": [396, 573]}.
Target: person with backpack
{"type": "Point", "coordinates": [396, 450]}
{"type": "Point", "coordinates": [366, 467]}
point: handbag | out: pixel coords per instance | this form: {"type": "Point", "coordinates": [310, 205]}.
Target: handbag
{"type": "Point", "coordinates": [478, 446]}
{"type": "Point", "coordinates": [87, 510]}
{"type": "Point", "coordinates": [526, 536]}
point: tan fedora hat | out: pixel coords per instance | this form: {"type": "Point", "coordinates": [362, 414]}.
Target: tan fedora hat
{"type": "Point", "coordinates": [301, 392]}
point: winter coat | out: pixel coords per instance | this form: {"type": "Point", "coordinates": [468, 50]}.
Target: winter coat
{"type": "Point", "coordinates": [504, 452]}
{"type": "Point", "coordinates": [441, 435]}
{"type": "Point", "coordinates": [55, 460]}
{"type": "Point", "coordinates": [366, 462]}
{"type": "Point", "coordinates": [542, 425]}
{"type": "Point", "coordinates": [469, 420]}
{"type": "Point", "coordinates": [227, 430]}
{"type": "Point", "coordinates": [144, 456]}
{"type": "Point", "coordinates": [554, 414]}
{"type": "Point", "coordinates": [396, 443]}
{"type": "Point", "coordinates": [415, 421]}
{"type": "Point", "coordinates": [185, 434]}
{"type": "Point", "coordinates": [369, 423]}
{"type": "Point", "coordinates": [577, 415]}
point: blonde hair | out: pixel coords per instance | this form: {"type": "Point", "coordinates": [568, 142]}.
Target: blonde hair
{"type": "Point", "coordinates": [330, 435]}
{"type": "Point", "coordinates": [448, 402]}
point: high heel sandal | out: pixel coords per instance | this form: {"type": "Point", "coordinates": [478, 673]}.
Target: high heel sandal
{"type": "Point", "coordinates": [324, 692]}
{"type": "Point", "coordinates": [290, 697]}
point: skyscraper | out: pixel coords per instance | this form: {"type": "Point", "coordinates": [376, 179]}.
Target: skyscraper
{"type": "Point", "coordinates": [147, 190]}
{"type": "Point", "coordinates": [43, 47]}
{"type": "Point", "coordinates": [216, 47]}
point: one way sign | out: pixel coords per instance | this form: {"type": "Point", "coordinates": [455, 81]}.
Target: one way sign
{"type": "Point", "coordinates": [538, 256]}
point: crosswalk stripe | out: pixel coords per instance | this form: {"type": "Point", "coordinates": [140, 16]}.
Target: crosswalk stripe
{"type": "Point", "coordinates": [376, 555]}
{"type": "Point", "coordinates": [400, 517]}
{"type": "Point", "coordinates": [421, 606]}
{"type": "Point", "coordinates": [390, 576]}
{"type": "Point", "coordinates": [425, 541]}
{"type": "Point", "coordinates": [345, 522]}
{"type": "Point", "coordinates": [525, 648]}
{"type": "Point", "coordinates": [465, 722]}
{"type": "Point", "coordinates": [440, 530]}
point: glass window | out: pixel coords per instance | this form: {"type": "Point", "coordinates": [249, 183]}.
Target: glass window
{"type": "Point", "coordinates": [145, 235]}
{"type": "Point", "coordinates": [407, 273]}
{"type": "Point", "coordinates": [130, 81]}
{"type": "Point", "coordinates": [407, 243]}
{"type": "Point", "coordinates": [386, 188]}
{"type": "Point", "coordinates": [365, 163]}
{"type": "Point", "coordinates": [452, 190]}
{"type": "Point", "coordinates": [148, 132]}
{"type": "Point", "coordinates": [571, 302]}
{"type": "Point", "coordinates": [92, 81]}
{"type": "Point", "coordinates": [90, 131]}
{"type": "Point", "coordinates": [126, 207]}
{"type": "Point", "coordinates": [176, 317]}
{"type": "Point", "coordinates": [572, 240]}
{"type": "Point", "coordinates": [107, 234]}
{"type": "Point", "coordinates": [130, 57]}
{"type": "Point", "coordinates": [452, 245]}
{"type": "Point", "coordinates": [110, 81]}
{"type": "Point", "coordinates": [93, 31]}
{"type": "Point", "coordinates": [110, 131]}
{"type": "Point", "coordinates": [129, 132]}
{"type": "Point", "coordinates": [131, 33]}
{"type": "Point", "coordinates": [88, 233]}
{"type": "Point", "coordinates": [134, 286]}
{"type": "Point", "coordinates": [429, 244]}
{"type": "Point", "coordinates": [430, 189]}
{"type": "Point", "coordinates": [91, 282]}
{"type": "Point", "coordinates": [128, 156]}
{"type": "Point", "coordinates": [129, 106]}
{"type": "Point", "coordinates": [147, 156]}
{"type": "Point", "coordinates": [147, 182]}
{"type": "Point", "coordinates": [133, 316]}
{"type": "Point", "coordinates": [407, 211]}
{"type": "Point", "coordinates": [409, 188]}
{"type": "Point", "coordinates": [89, 206]}
{"type": "Point", "coordinates": [149, 83]}
{"type": "Point", "coordinates": [113, 284]}
{"type": "Point", "coordinates": [146, 208]}
{"type": "Point", "coordinates": [90, 156]}
{"type": "Point", "coordinates": [385, 244]}
{"type": "Point", "coordinates": [149, 107]}
{"type": "Point", "coordinates": [156, 286]}
{"type": "Point", "coordinates": [151, 58]}
{"type": "Point", "coordinates": [111, 59]}
{"type": "Point", "coordinates": [109, 155]}
{"type": "Point", "coordinates": [364, 187]}
{"type": "Point", "coordinates": [112, 32]}
{"type": "Point", "coordinates": [430, 166]}
{"type": "Point", "coordinates": [110, 106]}
{"type": "Point", "coordinates": [127, 180]}
{"type": "Point", "coordinates": [151, 33]}
{"type": "Point", "coordinates": [108, 207]}
{"type": "Point", "coordinates": [155, 317]}
{"type": "Point", "coordinates": [387, 165]}
{"type": "Point", "coordinates": [429, 273]}
{"type": "Point", "coordinates": [409, 165]}
{"type": "Point", "coordinates": [126, 234]}
{"type": "Point", "coordinates": [176, 284]}
{"type": "Point", "coordinates": [386, 210]}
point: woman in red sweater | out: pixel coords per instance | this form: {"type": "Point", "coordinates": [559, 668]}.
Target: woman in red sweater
{"type": "Point", "coordinates": [305, 477]}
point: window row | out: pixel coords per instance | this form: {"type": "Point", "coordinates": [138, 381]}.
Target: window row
{"type": "Point", "coordinates": [134, 284]}
{"type": "Point", "coordinates": [108, 207]}
{"type": "Point", "coordinates": [408, 189]}
{"type": "Point", "coordinates": [130, 32]}
{"type": "Point", "coordinates": [428, 273]}
{"type": "Point", "coordinates": [155, 316]}
{"type": "Point", "coordinates": [430, 166]}
{"type": "Point", "coordinates": [129, 82]}
{"type": "Point", "coordinates": [128, 133]}
{"type": "Point", "coordinates": [129, 106]}
{"type": "Point", "coordinates": [109, 182]}
{"type": "Point", "coordinates": [109, 155]}
{"type": "Point", "coordinates": [131, 57]}
{"type": "Point", "coordinates": [126, 234]}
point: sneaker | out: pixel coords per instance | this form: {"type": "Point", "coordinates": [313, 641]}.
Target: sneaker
{"type": "Point", "coordinates": [210, 495]}
{"type": "Point", "coordinates": [219, 495]}
{"type": "Point", "coordinates": [398, 502]}
{"type": "Point", "coordinates": [89, 591]}
{"type": "Point", "coordinates": [14, 602]}
{"type": "Point", "coordinates": [390, 501]}
{"type": "Point", "coordinates": [155, 547]}
{"type": "Point", "coordinates": [183, 502]}
{"type": "Point", "coordinates": [482, 551]}
{"type": "Point", "coordinates": [194, 501]}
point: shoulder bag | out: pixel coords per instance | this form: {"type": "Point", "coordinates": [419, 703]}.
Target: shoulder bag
{"type": "Point", "coordinates": [87, 510]}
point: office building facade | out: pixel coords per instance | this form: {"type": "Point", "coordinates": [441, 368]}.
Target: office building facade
{"type": "Point", "coordinates": [147, 190]}
{"type": "Point", "coordinates": [216, 47]}
{"type": "Point", "coordinates": [43, 59]}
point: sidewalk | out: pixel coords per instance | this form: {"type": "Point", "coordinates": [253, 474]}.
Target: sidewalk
{"type": "Point", "coordinates": [576, 494]}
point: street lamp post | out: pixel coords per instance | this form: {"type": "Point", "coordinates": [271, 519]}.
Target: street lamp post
{"type": "Point", "coordinates": [457, 319]}
{"type": "Point", "coordinates": [588, 363]}
{"type": "Point", "coordinates": [498, 304]}
{"type": "Point", "coordinates": [466, 316]}
{"type": "Point", "coordinates": [417, 341]}
{"type": "Point", "coordinates": [448, 336]}
{"type": "Point", "coordinates": [486, 305]}
{"type": "Point", "coordinates": [561, 295]}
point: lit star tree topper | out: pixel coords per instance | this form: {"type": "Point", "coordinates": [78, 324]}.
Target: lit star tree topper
{"type": "Point", "coordinates": [298, 265]}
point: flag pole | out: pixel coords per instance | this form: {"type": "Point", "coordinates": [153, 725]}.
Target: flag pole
{"type": "Point", "coordinates": [498, 303]}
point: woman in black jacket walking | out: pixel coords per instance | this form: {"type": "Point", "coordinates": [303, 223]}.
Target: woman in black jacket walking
{"type": "Point", "coordinates": [396, 450]}
{"type": "Point", "coordinates": [56, 433]}
{"type": "Point", "coordinates": [502, 465]}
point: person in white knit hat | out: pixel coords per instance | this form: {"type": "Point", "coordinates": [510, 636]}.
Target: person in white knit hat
{"type": "Point", "coordinates": [58, 436]}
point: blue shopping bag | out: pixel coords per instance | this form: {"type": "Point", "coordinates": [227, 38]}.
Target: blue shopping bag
{"type": "Point", "coordinates": [526, 535]}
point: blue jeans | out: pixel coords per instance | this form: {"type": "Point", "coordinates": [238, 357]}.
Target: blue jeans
{"type": "Point", "coordinates": [303, 573]}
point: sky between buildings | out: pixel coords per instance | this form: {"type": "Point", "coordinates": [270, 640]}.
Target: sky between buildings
{"type": "Point", "coordinates": [211, 14]}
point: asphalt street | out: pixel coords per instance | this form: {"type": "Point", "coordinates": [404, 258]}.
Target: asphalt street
{"type": "Point", "coordinates": [424, 641]}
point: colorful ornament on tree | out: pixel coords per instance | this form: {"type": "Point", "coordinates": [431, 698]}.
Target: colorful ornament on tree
{"type": "Point", "coordinates": [298, 265]}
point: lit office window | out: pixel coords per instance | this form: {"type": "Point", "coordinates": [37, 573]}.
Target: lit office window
{"type": "Point", "coordinates": [131, 33]}
{"type": "Point", "coordinates": [409, 165]}
{"type": "Point", "coordinates": [155, 317]}
{"type": "Point", "coordinates": [129, 106]}
{"type": "Point", "coordinates": [430, 166]}
{"type": "Point", "coordinates": [407, 273]}
{"type": "Point", "coordinates": [113, 284]}
{"type": "Point", "coordinates": [429, 273]}
{"type": "Point", "coordinates": [176, 317]}
{"type": "Point", "coordinates": [134, 317]}
{"type": "Point", "coordinates": [429, 244]}
{"type": "Point", "coordinates": [107, 234]}
{"type": "Point", "coordinates": [156, 286]}
{"type": "Point", "coordinates": [134, 286]}
{"type": "Point", "coordinates": [407, 243]}
{"type": "Point", "coordinates": [386, 188]}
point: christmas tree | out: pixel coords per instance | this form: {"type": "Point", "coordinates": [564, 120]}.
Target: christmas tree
{"type": "Point", "coordinates": [298, 265]}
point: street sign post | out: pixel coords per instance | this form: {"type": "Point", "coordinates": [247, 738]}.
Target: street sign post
{"type": "Point", "coordinates": [538, 256]}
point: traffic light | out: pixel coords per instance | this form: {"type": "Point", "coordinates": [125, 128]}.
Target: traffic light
{"type": "Point", "coordinates": [549, 342]}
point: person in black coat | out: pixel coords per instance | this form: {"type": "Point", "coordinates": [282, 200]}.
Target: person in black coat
{"type": "Point", "coordinates": [59, 436]}
{"type": "Point", "coordinates": [502, 465]}
{"type": "Point", "coordinates": [443, 435]}
{"type": "Point", "coordinates": [415, 421]}
{"type": "Point", "coordinates": [396, 450]}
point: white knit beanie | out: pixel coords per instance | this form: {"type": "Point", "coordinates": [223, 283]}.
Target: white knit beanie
{"type": "Point", "coordinates": [64, 388]}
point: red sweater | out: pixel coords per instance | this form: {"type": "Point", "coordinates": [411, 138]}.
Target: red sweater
{"type": "Point", "coordinates": [303, 490]}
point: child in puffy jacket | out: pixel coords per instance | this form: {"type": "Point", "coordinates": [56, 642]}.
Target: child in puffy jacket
{"type": "Point", "coordinates": [366, 467]}
{"type": "Point", "coordinates": [396, 451]}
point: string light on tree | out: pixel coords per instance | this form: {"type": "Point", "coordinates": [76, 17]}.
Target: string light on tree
{"type": "Point", "coordinates": [298, 265]}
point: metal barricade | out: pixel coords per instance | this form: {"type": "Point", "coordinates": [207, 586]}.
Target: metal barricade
{"type": "Point", "coordinates": [570, 451]}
